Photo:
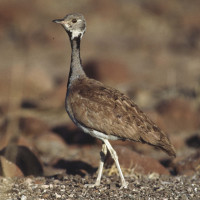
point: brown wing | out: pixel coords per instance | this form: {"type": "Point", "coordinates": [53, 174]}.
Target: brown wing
{"type": "Point", "coordinates": [109, 111]}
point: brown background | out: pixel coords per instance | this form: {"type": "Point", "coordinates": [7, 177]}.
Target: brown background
{"type": "Point", "coordinates": [147, 49]}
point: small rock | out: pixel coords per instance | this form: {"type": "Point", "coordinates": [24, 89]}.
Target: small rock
{"type": "Point", "coordinates": [51, 145]}
{"type": "Point", "coordinates": [188, 165]}
{"type": "Point", "coordinates": [57, 195]}
{"type": "Point", "coordinates": [178, 115]}
{"type": "Point", "coordinates": [24, 158]}
{"type": "Point", "coordinates": [23, 197]}
{"type": "Point", "coordinates": [71, 195]}
{"type": "Point", "coordinates": [45, 186]}
{"type": "Point", "coordinates": [10, 169]}
{"type": "Point", "coordinates": [112, 186]}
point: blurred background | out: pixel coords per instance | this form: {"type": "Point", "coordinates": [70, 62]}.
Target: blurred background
{"type": "Point", "coordinates": [149, 50]}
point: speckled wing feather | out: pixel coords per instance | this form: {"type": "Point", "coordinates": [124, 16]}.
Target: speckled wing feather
{"type": "Point", "coordinates": [107, 110]}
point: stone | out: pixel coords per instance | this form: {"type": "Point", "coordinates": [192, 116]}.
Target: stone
{"type": "Point", "coordinates": [24, 158]}
{"type": "Point", "coordinates": [51, 146]}
{"type": "Point", "coordinates": [188, 165]}
{"type": "Point", "coordinates": [178, 115]}
{"type": "Point", "coordinates": [9, 169]}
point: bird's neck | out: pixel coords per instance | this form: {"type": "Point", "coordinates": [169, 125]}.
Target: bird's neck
{"type": "Point", "coordinates": [76, 70]}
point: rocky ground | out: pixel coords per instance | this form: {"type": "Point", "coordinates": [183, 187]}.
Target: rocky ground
{"type": "Point", "coordinates": [74, 187]}
{"type": "Point", "coordinates": [148, 50]}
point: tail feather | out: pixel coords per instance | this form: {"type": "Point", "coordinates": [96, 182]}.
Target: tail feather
{"type": "Point", "coordinates": [159, 139]}
{"type": "Point", "coordinates": [169, 149]}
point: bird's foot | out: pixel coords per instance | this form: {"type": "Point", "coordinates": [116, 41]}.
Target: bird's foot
{"type": "Point", "coordinates": [124, 185]}
{"type": "Point", "coordinates": [92, 185]}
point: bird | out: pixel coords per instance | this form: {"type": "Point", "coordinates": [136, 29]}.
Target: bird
{"type": "Point", "coordinates": [102, 111]}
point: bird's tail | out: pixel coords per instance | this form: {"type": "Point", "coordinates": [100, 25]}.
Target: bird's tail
{"type": "Point", "coordinates": [160, 140]}
{"type": "Point", "coordinates": [169, 149]}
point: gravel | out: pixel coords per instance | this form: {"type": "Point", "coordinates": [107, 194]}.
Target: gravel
{"type": "Point", "coordinates": [73, 187]}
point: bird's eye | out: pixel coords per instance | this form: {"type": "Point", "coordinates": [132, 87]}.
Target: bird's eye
{"type": "Point", "coordinates": [74, 20]}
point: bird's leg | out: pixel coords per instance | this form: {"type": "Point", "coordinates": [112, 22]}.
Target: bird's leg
{"type": "Point", "coordinates": [115, 158]}
{"type": "Point", "coordinates": [103, 154]}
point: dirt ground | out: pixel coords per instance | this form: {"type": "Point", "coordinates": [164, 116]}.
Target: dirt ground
{"type": "Point", "coordinates": [73, 187]}
{"type": "Point", "coordinates": [147, 49]}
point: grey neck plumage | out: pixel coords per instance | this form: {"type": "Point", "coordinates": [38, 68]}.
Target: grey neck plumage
{"type": "Point", "coordinates": [76, 70]}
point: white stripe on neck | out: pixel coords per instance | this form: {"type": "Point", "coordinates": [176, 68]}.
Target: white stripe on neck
{"type": "Point", "coordinates": [76, 33]}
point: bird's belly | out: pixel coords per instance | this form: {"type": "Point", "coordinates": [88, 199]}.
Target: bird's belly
{"type": "Point", "coordinates": [98, 134]}
{"type": "Point", "coordinates": [93, 133]}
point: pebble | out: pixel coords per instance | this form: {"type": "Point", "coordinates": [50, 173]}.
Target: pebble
{"type": "Point", "coordinates": [51, 186]}
{"type": "Point", "coordinates": [71, 195]}
{"type": "Point", "coordinates": [57, 195]}
{"type": "Point", "coordinates": [164, 188]}
{"type": "Point", "coordinates": [45, 186]}
{"type": "Point", "coordinates": [23, 197]}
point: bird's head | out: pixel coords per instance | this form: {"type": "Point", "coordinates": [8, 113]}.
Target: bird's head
{"type": "Point", "coordinates": [74, 24]}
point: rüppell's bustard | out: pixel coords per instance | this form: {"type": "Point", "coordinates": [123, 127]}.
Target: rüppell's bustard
{"type": "Point", "coordinates": [102, 111]}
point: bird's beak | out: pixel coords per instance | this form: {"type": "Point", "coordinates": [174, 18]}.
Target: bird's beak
{"type": "Point", "coordinates": [58, 21]}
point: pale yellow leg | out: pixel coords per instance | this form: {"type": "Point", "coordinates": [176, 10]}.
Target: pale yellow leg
{"type": "Point", "coordinates": [115, 158]}
{"type": "Point", "coordinates": [103, 154]}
